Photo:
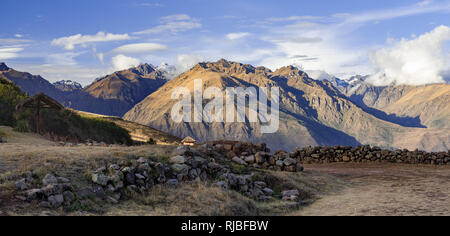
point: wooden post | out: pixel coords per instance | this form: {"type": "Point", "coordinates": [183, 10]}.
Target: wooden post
{"type": "Point", "coordinates": [38, 116]}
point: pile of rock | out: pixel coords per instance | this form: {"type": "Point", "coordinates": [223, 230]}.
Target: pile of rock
{"type": "Point", "coordinates": [368, 154]}
{"type": "Point", "coordinates": [54, 191]}
{"type": "Point", "coordinates": [257, 156]}
{"type": "Point", "coordinates": [245, 185]}
{"type": "Point", "coordinates": [142, 174]}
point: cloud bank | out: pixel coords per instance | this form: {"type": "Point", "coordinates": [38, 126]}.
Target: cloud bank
{"type": "Point", "coordinates": [70, 42]}
{"type": "Point", "coordinates": [122, 62]}
{"type": "Point", "coordinates": [414, 62]}
{"type": "Point", "coordinates": [140, 48]}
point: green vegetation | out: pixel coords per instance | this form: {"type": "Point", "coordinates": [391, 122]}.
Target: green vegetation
{"type": "Point", "coordinates": [10, 96]}
{"type": "Point", "coordinates": [58, 125]}
{"type": "Point", "coordinates": [69, 126]}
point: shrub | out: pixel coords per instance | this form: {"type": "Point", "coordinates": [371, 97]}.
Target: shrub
{"type": "Point", "coordinates": [10, 96]}
{"type": "Point", "coordinates": [151, 141]}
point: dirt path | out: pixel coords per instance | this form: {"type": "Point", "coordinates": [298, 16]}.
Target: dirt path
{"type": "Point", "coordinates": [384, 189]}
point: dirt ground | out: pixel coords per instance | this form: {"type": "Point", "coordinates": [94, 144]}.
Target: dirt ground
{"type": "Point", "coordinates": [383, 189]}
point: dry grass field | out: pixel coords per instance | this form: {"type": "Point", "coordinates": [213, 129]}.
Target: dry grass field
{"type": "Point", "coordinates": [384, 189]}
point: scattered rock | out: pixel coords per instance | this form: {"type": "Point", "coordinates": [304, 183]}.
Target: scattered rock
{"type": "Point", "coordinates": [289, 161]}
{"type": "Point", "coordinates": [239, 161]}
{"type": "Point", "coordinates": [172, 182]}
{"type": "Point", "coordinates": [69, 196]}
{"type": "Point", "coordinates": [178, 160]}
{"type": "Point", "coordinates": [56, 200]}
{"type": "Point", "coordinates": [222, 184]}
{"type": "Point", "coordinates": [100, 179]}
{"type": "Point", "coordinates": [267, 191]}
{"type": "Point", "coordinates": [22, 185]}
{"type": "Point", "coordinates": [49, 179]}
{"type": "Point", "coordinates": [250, 159]}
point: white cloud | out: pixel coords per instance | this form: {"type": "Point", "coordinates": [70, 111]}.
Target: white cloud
{"type": "Point", "coordinates": [9, 41]}
{"type": "Point", "coordinates": [415, 9]}
{"type": "Point", "coordinates": [178, 17]}
{"type": "Point", "coordinates": [122, 62]}
{"type": "Point", "coordinates": [70, 42]}
{"type": "Point", "coordinates": [173, 24]}
{"type": "Point", "coordinates": [18, 36]}
{"type": "Point", "coordinates": [292, 18]}
{"type": "Point", "coordinates": [235, 36]}
{"type": "Point", "coordinates": [149, 4]}
{"type": "Point", "coordinates": [67, 58]}
{"type": "Point", "coordinates": [139, 48]}
{"type": "Point", "coordinates": [172, 27]}
{"type": "Point", "coordinates": [9, 53]}
{"type": "Point", "coordinates": [186, 62]}
{"type": "Point", "coordinates": [414, 62]}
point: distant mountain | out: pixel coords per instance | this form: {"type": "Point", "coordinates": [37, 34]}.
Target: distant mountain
{"type": "Point", "coordinates": [118, 92]}
{"type": "Point", "coordinates": [422, 106]}
{"type": "Point", "coordinates": [31, 84]}
{"type": "Point", "coordinates": [68, 86]}
{"type": "Point", "coordinates": [311, 112]}
{"type": "Point", "coordinates": [111, 95]}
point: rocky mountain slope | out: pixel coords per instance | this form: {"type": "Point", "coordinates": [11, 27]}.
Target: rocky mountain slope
{"type": "Point", "coordinates": [420, 106]}
{"type": "Point", "coordinates": [31, 84]}
{"type": "Point", "coordinates": [68, 85]}
{"type": "Point", "coordinates": [311, 112]}
{"type": "Point", "coordinates": [117, 93]}
{"type": "Point", "coordinates": [113, 94]}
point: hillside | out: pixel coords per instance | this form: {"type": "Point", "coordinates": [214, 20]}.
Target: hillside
{"type": "Point", "coordinates": [139, 133]}
{"type": "Point", "coordinates": [113, 94]}
{"type": "Point", "coordinates": [426, 105]}
{"type": "Point", "coordinates": [31, 84]}
{"type": "Point", "coordinates": [117, 93]}
{"type": "Point", "coordinates": [311, 112]}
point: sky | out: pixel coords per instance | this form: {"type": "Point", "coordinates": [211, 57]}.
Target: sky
{"type": "Point", "coordinates": [404, 42]}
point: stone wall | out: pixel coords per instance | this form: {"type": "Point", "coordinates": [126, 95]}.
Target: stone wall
{"type": "Point", "coordinates": [367, 153]}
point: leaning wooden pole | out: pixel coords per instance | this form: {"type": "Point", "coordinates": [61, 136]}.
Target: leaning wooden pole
{"type": "Point", "coordinates": [38, 116]}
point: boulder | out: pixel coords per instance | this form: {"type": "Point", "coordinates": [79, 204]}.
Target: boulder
{"type": "Point", "coordinates": [56, 200]}
{"type": "Point", "coordinates": [49, 179]}
{"type": "Point", "coordinates": [172, 182]}
{"type": "Point", "coordinates": [100, 179]}
{"type": "Point", "coordinates": [289, 193]}
{"type": "Point", "coordinates": [63, 180]}
{"type": "Point", "coordinates": [69, 196]}
{"type": "Point", "coordinates": [21, 185]}
{"type": "Point", "coordinates": [289, 161]}
{"type": "Point", "coordinates": [238, 160]}
{"type": "Point", "coordinates": [260, 157]}
{"type": "Point", "coordinates": [299, 168]}
{"type": "Point", "coordinates": [130, 179]}
{"type": "Point", "coordinates": [279, 163]}
{"type": "Point", "coordinates": [267, 191]}
{"type": "Point", "coordinates": [34, 194]}
{"type": "Point", "coordinates": [99, 191]}
{"type": "Point", "coordinates": [250, 159]}
{"type": "Point", "coordinates": [222, 184]}
{"type": "Point", "coordinates": [180, 169]}
{"type": "Point", "coordinates": [85, 193]}
{"type": "Point", "coordinates": [260, 184]}
{"type": "Point", "coordinates": [177, 160]}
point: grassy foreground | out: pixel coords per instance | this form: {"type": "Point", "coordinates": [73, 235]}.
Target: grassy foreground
{"type": "Point", "coordinates": [18, 156]}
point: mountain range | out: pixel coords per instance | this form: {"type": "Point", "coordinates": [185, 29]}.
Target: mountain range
{"type": "Point", "coordinates": [112, 95]}
{"type": "Point", "coordinates": [327, 111]}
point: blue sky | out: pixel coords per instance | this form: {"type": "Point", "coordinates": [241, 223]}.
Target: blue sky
{"type": "Point", "coordinates": [82, 40]}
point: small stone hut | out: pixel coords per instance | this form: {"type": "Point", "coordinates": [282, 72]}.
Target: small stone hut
{"type": "Point", "coordinates": [188, 141]}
